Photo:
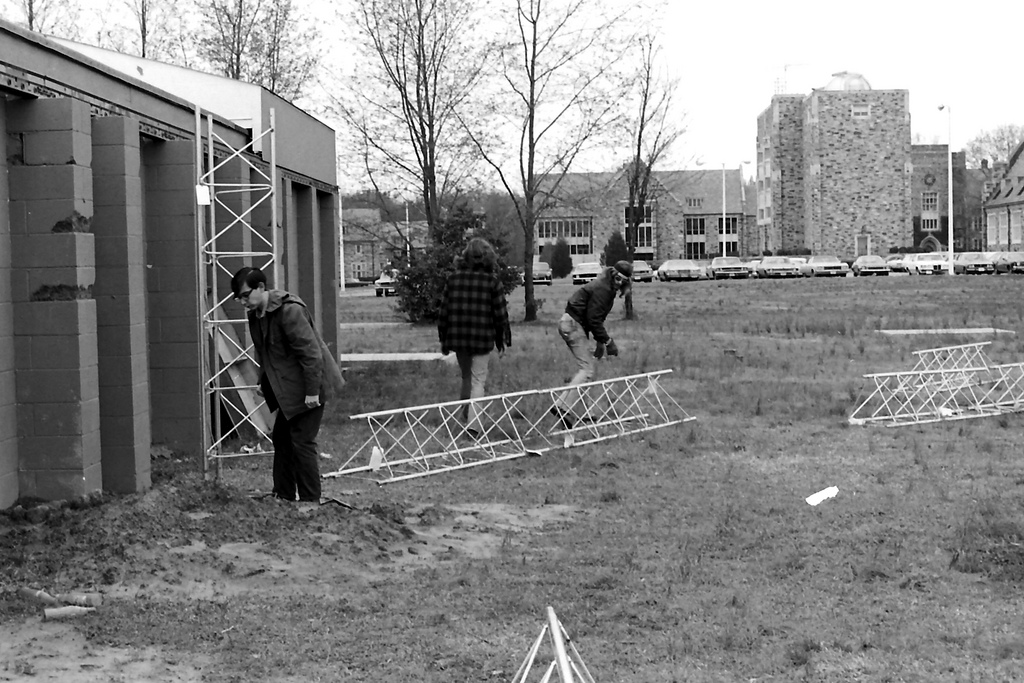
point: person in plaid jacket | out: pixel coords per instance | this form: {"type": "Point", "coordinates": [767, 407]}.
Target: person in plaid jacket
{"type": "Point", "coordinates": [473, 321]}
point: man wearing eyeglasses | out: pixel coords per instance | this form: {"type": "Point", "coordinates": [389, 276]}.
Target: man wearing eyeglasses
{"type": "Point", "coordinates": [293, 361]}
{"type": "Point", "coordinates": [584, 317]}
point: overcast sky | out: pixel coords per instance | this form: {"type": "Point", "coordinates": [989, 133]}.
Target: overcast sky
{"type": "Point", "coordinates": [732, 57]}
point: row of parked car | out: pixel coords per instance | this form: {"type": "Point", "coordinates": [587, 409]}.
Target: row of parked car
{"type": "Point", "coordinates": [732, 267]}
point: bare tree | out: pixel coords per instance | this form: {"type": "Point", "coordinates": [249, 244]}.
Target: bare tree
{"type": "Point", "coordinates": [996, 144]}
{"type": "Point", "coordinates": [51, 17]}
{"type": "Point", "coordinates": [654, 130]}
{"type": "Point", "coordinates": [152, 26]}
{"type": "Point", "coordinates": [285, 51]}
{"type": "Point", "coordinates": [559, 75]}
{"type": "Point", "coordinates": [227, 40]}
{"type": "Point", "coordinates": [402, 108]}
{"type": "Point", "coordinates": [258, 41]}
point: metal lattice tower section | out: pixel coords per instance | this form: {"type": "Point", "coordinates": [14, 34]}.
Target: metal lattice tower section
{"type": "Point", "coordinates": [566, 659]}
{"type": "Point", "coordinates": [229, 368]}
{"type": "Point", "coordinates": [405, 443]}
{"type": "Point", "coordinates": [948, 383]}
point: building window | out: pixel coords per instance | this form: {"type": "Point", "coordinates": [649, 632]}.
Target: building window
{"type": "Point", "coordinates": [644, 230]}
{"type": "Point", "coordinates": [694, 202]}
{"type": "Point", "coordinates": [576, 231]}
{"type": "Point", "coordinates": [929, 224]}
{"type": "Point", "coordinates": [643, 211]}
{"type": "Point", "coordinates": [695, 250]}
{"type": "Point", "coordinates": [929, 201]}
{"type": "Point", "coordinates": [694, 226]}
{"type": "Point", "coordinates": [730, 226]}
{"type": "Point", "coordinates": [568, 228]}
{"type": "Point", "coordinates": [860, 111]}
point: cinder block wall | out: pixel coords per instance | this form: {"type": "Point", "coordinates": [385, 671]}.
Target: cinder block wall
{"type": "Point", "coordinates": [8, 406]}
{"type": "Point", "coordinates": [308, 242]}
{"type": "Point", "coordinates": [330, 285]}
{"type": "Point", "coordinates": [121, 304]}
{"type": "Point", "coordinates": [171, 256]}
{"type": "Point", "coordinates": [52, 274]}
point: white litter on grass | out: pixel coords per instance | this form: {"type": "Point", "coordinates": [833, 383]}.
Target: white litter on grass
{"type": "Point", "coordinates": [376, 458]}
{"type": "Point", "coordinates": [328, 456]}
{"type": "Point", "coordinates": [824, 494]}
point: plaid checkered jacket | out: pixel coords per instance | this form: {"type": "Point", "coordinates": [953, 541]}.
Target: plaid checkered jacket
{"type": "Point", "coordinates": [474, 316]}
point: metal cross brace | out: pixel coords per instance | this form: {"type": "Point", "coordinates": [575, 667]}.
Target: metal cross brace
{"type": "Point", "coordinates": [949, 383]}
{"type": "Point", "coordinates": [422, 440]}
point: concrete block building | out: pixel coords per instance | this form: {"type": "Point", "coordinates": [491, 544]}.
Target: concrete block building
{"type": "Point", "coordinates": [100, 341]}
{"type": "Point", "coordinates": [834, 170]}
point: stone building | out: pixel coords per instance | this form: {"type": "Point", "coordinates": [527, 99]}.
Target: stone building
{"type": "Point", "coordinates": [834, 170]}
{"type": "Point", "coordinates": [684, 216]}
{"type": "Point", "coordinates": [1004, 208]}
{"type": "Point", "coordinates": [372, 243]}
{"type": "Point", "coordinates": [100, 224]}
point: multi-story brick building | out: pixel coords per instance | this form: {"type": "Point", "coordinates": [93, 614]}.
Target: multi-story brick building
{"type": "Point", "coordinates": [780, 175]}
{"type": "Point", "coordinates": [684, 216]}
{"type": "Point", "coordinates": [834, 170]}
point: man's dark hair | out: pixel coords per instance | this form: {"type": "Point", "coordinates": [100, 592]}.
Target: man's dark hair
{"type": "Point", "coordinates": [253, 277]}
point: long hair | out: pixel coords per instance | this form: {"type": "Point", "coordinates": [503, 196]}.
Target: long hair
{"type": "Point", "coordinates": [479, 255]}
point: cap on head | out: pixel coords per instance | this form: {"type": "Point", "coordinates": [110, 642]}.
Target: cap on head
{"type": "Point", "coordinates": [625, 267]}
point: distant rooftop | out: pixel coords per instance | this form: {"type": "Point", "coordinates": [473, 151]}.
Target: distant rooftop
{"type": "Point", "coordinates": [847, 80]}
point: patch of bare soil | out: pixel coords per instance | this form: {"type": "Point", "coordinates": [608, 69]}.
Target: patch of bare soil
{"type": "Point", "coordinates": [187, 539]}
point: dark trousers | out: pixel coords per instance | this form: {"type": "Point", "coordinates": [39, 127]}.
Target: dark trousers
{"type": "Point", "coordinates": [296, 464]}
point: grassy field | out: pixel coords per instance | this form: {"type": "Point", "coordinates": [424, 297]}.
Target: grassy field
{"type": "Point", "coordinates": [686, 554]}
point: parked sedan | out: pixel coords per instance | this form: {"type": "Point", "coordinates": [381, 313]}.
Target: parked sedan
{"type": "Point", "coordinates": [824, 266]}
{"type": "Point", "coordinates": [777, 266]}
{"type": "Point", "coordinates": [973, 263]}
{"type": "Point", "coordinates": [585, 272]}
{"type": "Point", "coordinates": [642, 272]}
{"type": "Point", "coordinates": [896, 264]}
{"type": "Point", "coordinates": [385, 285]}
{"type": "Point", "coordinates": [727, 267]}
{"type": "Point", "coordinates": [869, 264]}
{"type": "Point", "coordinates": [541, 273]}
{"type": "Point", "coordinates": [679, 269]}
{"type": "Point", "coordinates": [932, 263]}
{"type": "Point", "coordinates": [1009, 262]}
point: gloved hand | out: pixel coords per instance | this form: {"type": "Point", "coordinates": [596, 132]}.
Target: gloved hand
{"type": "Point", "coordinates": [611, 348]}
{"type": "Point", "coordinates": [599, 351]}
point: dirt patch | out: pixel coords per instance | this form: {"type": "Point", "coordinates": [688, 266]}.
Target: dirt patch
{"type": "Point", "coordinates": [197, 541]}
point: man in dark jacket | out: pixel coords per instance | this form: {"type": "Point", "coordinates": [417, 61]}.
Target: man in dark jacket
{"type": "Point", "coordinates": [292, 367]}
{"type": "Point", "coordinates": [584, 317]}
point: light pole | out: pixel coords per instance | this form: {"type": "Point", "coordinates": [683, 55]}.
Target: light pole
{"type": "Point", "coordinates": [949, 184]}
{"type": "Point", "coordinates": [721, 233]}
